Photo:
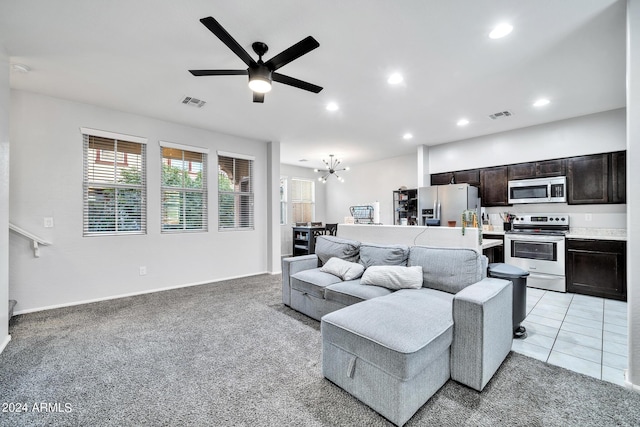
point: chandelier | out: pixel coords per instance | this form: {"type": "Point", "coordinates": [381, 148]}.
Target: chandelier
{"type": "Point", "coordinates": [331, 169]}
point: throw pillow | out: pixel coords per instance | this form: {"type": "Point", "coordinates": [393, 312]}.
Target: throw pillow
{"type": "Point", "coordinates": [331, 246]}
{"type": "Point", "coordinates": [393, 276]}
{"type": "Point", "coordinates": [343, 269]}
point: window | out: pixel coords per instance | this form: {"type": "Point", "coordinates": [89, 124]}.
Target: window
{"type": "Point", "coordinates": [283, 201]}
{"type": "Point", "coordinates": [303, 200]}
{"type": "Point", "coordinates": [114, 182]}
{"type": "Point", "coordinates": [184, 188]}
{"type": "Point", "coordinates": [235, 192]}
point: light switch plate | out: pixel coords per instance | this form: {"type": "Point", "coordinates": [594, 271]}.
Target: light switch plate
{"type": "Point", "coordinates": [48, 222]}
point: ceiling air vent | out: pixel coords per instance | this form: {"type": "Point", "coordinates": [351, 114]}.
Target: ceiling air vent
{"type": "Point", "coordinates": [194, 102]}
{"type": "Point", "coordinates": [500, 115]}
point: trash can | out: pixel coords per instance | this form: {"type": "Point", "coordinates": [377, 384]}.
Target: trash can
{"type": "Point", "coordinates": [518, 277]}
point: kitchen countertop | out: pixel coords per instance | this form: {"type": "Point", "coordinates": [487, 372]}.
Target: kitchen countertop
{"type": "Point", "coordinates": [597, 233]}
{"type": "Point", "coordinates": [490, 243]}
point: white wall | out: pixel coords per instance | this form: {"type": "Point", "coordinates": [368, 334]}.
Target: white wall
{"type": "Point", "coordinates": [289, 172]}
{"type": "Point", "coordinates": [368, 183]}
{"type": "Point", "coordinates": [4, 199]}
{"type": "Point", "coordinates": [591, 134]}
{"type": "Point", "coordinates": [46, 181]}
{"type": "Point", "coordinates": [633, 195]}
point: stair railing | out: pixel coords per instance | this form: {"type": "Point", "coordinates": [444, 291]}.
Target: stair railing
{"type": "Point", "coordinates": [37, 241]}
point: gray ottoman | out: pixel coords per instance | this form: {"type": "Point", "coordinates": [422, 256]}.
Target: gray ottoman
{"type": "Point", "coordinates": [391, 353]}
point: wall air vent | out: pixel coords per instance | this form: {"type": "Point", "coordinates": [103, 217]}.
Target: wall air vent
{"type": "Point", "coordinates": [500, 115]}
{"type": "Point", "coordinates": [194, 102]}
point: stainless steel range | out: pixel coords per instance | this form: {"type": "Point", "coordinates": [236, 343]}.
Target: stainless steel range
{"type": "Point", "coordinates": [536, 243]}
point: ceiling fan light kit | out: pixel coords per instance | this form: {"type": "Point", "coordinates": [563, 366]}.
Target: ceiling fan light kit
{"type": "Point", "coordinates": [261, 74]}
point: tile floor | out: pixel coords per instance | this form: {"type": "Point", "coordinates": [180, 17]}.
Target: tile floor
{"type": "Point", "coordinates": [578, 332]}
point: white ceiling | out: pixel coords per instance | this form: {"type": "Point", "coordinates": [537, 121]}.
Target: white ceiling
{"type": "Point", "coordinates": [134, 56]}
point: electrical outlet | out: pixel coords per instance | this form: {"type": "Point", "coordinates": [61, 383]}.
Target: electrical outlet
{"type": "Point", "coordinates": [48, 222]}
{"type": "Point", "coordinates": [143, 270]}
{"type": "Point", "coordinates": [587, 217]}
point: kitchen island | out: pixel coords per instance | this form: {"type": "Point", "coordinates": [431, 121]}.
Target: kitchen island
{"type": "Point", "coordinates": [412, 235]}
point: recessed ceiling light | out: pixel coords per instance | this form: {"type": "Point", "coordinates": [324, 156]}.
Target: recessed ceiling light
{"type": "Point", "coordinates": [332, 106]}
{"type": "Point", "coordinates": [395, 78]}
{"type": "Point", "coordinates": [541, 102]}
{"type": "Point", "coordinates": [500, 31]}
{"type": "Point", "coordinates": [462, 122]}
{"type": "Point", "coordinates": [407, 136]}
{"type": "Point", "coordinates": [21, 68]}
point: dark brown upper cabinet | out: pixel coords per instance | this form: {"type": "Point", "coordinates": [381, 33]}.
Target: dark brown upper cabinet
{"type": "Point", "coordinates": [619, 177]}
{"type": "Point", "coordinates": [598, 178]}
{"type": "Point", "coordinates": [441, 178]}
{"type": "Point", "coordinates": [540, 169]}
{"type": "Point", "coordinates": [467, 177]}
{"type": "Point", "coordinates": [588, 179]}
{"type": "Point", "coordinates": [493, 186]}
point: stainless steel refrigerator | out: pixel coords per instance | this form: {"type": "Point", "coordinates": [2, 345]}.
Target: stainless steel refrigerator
{"type": "Point", "coordinates": [439, 204]}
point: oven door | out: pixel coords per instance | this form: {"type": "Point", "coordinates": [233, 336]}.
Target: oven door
{"type": "Point", "coordinates": [536, 253]}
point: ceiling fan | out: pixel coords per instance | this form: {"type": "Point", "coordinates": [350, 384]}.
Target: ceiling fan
{"type": "Point", "coordinates": [260, 73]}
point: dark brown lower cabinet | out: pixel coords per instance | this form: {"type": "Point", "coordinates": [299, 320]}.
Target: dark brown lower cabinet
{"type": "Point", "coordinates": [597, 268]}
{"type": "Point", "coordinates": [496, 253]}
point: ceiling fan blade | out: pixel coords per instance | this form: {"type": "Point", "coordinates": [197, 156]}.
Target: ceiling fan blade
{"type": "Point", "coordinates": [258, 97]}
{"type": "Point", "coordinates": [219, 72]}
{"type": "Point", "coordinates": [217, 29]}
{"type": "Point", "coordinates": [281, 78]}
{"type": "Point", "coordinates": [296, 51]}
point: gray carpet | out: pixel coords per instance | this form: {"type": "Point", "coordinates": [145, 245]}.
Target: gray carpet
{"type": "Point", "coordinates": [230, 353]}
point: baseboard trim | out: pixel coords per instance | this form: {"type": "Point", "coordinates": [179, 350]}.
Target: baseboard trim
{"type": "Point", "coordinates": [5, 342]}
{"type": "Point", "coordinates": [132, 294]}
{"type": "Point", "coordinates": [629, 384]}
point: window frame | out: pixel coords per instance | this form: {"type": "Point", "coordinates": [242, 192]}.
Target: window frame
{"type": "Point", "coordinates": [89, 186]}
{"type": "Point", "coordinates": [243, 201]}
{"type": "Point", "coordinates": [184, 190]}
{"type": "Point", "coordinates": [311, 202]}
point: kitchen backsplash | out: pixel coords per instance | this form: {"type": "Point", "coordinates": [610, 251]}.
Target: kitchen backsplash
{"type": "Point", "coordinates": [582, 216]}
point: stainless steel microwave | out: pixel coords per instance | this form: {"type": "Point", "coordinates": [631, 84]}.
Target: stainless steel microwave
{"type": "Point", "coordinates": [538, 190]}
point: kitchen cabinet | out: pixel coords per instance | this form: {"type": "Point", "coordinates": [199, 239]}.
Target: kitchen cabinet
{"type": "Point", "coordinates": [598, 178]}
{"type": "Point", "coordinates": [405, 206]}
{"type": "Point", "coordinates": [619, 177]}
{"type": "Point", "coordinates": [541, 169]}
{"type": "Point", "coordinates": [592, 179]}
{"type": "Point", "coordinates": [495, 253]}
{"type": "Point", "coordinates": [441, 178]}
{"type": "Point", "coordinates": [588, 179]}
{"type": "Point", "coordinates": [493, 186]}
{"type": "Point", "coordinates": [471, 176]}
{"type": "Point", "coordinates": [597, 268]}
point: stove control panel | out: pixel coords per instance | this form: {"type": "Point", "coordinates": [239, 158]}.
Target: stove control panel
{"type": "Point", "coordinates": [542, 219]}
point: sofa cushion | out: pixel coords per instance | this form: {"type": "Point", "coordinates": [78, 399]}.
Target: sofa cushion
{"type": "Point", "coordinates": [401, 333]}
{"type": "Point", "coordinates": [313, 282]}
{"type": "Point", "coordinates": [352, 292]}
{"type": "Point", "coordinates": [393, 276]}
{"type": "Point", "coordinates": [447, 269]}
{"type": "Point", "coordinates": [373, 254]}
{"type": "Point", "coordinates": [343, 269]}
{"type": "Point", "coordinates": [331, 246]}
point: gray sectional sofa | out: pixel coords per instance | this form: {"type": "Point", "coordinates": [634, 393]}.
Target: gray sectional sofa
{"type": "Point", "coordinates": [393, 346]}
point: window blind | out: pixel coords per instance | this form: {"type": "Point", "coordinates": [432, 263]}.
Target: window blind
{"type": "Point", "coordinates": [235, 192]}
{"type": "Point", "coordinates": [114, 185]}
{"type": "Point", "coordinates": [183, 190]}
{"type": "Point", "coordinates": [302, 200]}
